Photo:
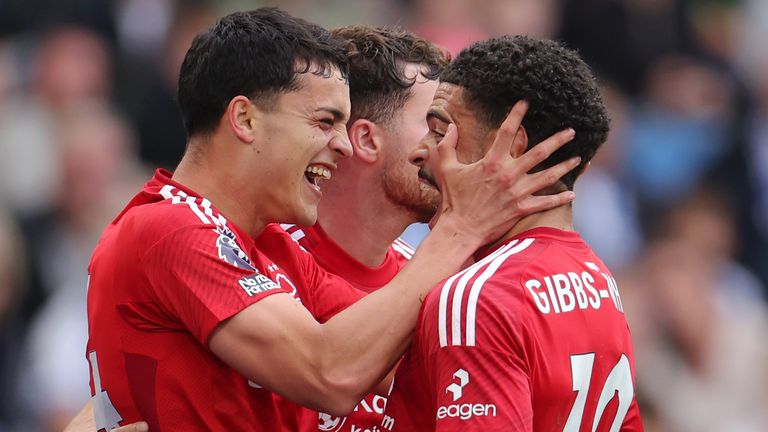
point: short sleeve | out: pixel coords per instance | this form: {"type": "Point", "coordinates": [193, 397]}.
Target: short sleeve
{"type": "Point", "coordinates": [201, 276]}
{"type": "Point", "coordinates": [331, 294]}
{"type": "Point", "coordinates": [323, 293]}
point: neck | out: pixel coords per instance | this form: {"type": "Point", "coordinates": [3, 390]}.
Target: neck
{"type": "Point", "coordinates": [207, 174]}
{"type": "Point", "coordinates": [363, 231]}
{"type": "Point", "coordinates": [559, 217]}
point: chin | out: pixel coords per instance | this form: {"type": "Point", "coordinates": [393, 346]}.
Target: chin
{"type": "Point", "coordinates": [306, 218]}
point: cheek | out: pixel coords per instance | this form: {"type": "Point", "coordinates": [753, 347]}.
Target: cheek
{"type": "Point", "coordinates": [417, 130]}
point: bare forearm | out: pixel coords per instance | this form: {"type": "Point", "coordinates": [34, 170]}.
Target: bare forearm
{"type": "Point", "coordinates": [84, 421]}
{"type": "Point", "coordinates": [330, 367]}
{"type": "Point", "coordinates": [363, 342]}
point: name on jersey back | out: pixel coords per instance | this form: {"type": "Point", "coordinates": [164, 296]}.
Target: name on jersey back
{"type": "Point", "coordinates": [573, 290]}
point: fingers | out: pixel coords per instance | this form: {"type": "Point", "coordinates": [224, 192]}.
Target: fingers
{"type": "Point", "coordinates": [535, 204]}
{"type": "Point", "coordinates": [133, 427]}
{"type": "Point", "coordinates": [544, 149]}
{"type": "Point", "coordinates": [446, 158]}
{"type": "Point", "coordinates": [446, 148]}
{"type": "Point", "coordinates": [545, 178]}
{"type": "Point", "coordinates": [505, 137]}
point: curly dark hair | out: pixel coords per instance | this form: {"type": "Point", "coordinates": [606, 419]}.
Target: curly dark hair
{"type": "Point", "coordinates": [257, 54]}
{"type": "Point", "coordinates": [378, 85]}
{"type": "Point", "coordinates": [558, 85]}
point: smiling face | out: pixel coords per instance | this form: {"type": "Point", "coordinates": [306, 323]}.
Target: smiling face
{"type": "Point", "coordinates": [301, 139]}
{"type": "Point", "coordinates": [474, 138]}
{"type": "Point", "coordinates": [404, 132]}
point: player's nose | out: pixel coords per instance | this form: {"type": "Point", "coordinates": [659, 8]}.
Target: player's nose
{"type": "Point", "coordinates": [340, 145]}
{"type": "Point", "coordinates": [419, 156]}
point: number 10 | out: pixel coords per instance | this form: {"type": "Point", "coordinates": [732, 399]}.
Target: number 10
{"type": "Point", "coordinates": [619, 380]}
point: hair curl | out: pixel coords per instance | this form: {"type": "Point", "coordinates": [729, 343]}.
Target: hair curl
{"type": "Point", "coordinates": [378, 84]}
{"type": "Point", "coordinates": [561, 91]}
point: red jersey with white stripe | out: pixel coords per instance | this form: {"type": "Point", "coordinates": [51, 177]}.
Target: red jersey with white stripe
{"type": "Point", "coordinates": [369, 413]}
{"type": "Point", "coordinates": [165, 273]}
{"type": "Point", "coordinates": [336, 260]}
{"type": "Point", "coordinates": [532, 337]}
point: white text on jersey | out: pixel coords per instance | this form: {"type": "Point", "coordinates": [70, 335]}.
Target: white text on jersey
{"type": "Point", "coordinates": [564, 292]}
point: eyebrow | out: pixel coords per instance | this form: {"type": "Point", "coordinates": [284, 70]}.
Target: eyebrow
{"type": "Point", "coordinates": [438, 115]}
{"type": "Point", "coordinates": [337, 114]}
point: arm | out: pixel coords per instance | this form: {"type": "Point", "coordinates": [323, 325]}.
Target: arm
{"type": "Point", "coordinates": [85, 422]}
{"type": "Point", "coordinates": [330, 367]}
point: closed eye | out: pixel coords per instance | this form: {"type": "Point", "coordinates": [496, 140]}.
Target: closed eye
{"type": "Point", "coordinates": [439, 135]}
{"type": "Point", "coordinates": [327, 123]}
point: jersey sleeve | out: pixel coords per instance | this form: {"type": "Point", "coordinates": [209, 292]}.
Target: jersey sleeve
{"type": "Point", "coordinates": [198, 288]}
{"type": "Point", "coordinates": [481, 375]}
{"type": "Point", "coordinates": [329, 293]}
{"type": "Point", "coordinates": [481, 390]}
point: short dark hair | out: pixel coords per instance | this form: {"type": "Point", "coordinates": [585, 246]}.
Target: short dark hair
{"type": "Point", "coordinates": [378, 85]}
{"type": "Point", "coordinates": [257, 54]}
{"type": "Point", "coordinates": [558, 85]}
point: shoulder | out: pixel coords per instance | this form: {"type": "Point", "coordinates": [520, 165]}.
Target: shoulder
{"type": "Point", "coordinates": [281, 240]}
{"type": "Point", "coordinates": [504, 265]}
{"type": "Point", "coordinates": [184, 219]}
{"type": "Point", "coordinates": [485, 294]}
{"type": "Point", "coordinates": [403, 251]}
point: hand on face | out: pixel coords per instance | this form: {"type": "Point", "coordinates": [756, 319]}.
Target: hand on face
{"type": "Point", "coordinates": [486, 198]}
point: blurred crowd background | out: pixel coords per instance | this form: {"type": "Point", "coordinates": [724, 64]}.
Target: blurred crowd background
{"type": "Point", "coordinates": [676, 202]}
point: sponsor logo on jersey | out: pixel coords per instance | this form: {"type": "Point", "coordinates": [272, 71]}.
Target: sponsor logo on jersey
{"type": "Point", "coordinates": [330, 423]}
{"type": "Point", "coordinates": [462, 378]}
{"type": "Point", "coordinates": [377, 406]}
{"type": "Point", "coordinates": [257, 283]}
{"type": "Point", "coordinates": [467, 410]}
{"type": "Point", "coordinates": [229, 251]}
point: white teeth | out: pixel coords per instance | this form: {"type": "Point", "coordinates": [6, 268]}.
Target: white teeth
{"type": "Point", "coordinates": [319, 171]}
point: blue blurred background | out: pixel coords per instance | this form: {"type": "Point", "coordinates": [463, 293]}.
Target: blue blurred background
{"type": "Point", "coordinates": [676, 202]}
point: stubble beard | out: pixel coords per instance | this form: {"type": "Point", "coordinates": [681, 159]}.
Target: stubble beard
{"type": "Point", "coordinates": [402, 188]}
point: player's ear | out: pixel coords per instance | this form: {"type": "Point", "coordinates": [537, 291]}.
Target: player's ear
{"type": "Point", "coordinates": [520, 143]}
{"type": "Point", "coordinates": [366, 139]}
{"type": "Point", "coordinates": [241, 116]}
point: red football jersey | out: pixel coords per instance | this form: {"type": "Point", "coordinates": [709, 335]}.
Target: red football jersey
{"type": "Point", "coordinates": [532, 337]}
{"type": "Point", "coordinates": [165, 273]}
{"type": "Point", "coordinates": [369, 413]}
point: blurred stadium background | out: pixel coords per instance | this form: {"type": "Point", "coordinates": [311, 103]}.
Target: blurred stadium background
{"type": "Point", "coordinates": [676, 203]}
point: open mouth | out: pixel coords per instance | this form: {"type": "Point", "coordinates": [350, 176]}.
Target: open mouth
{"type": "Point", "coordinates": [315, 173]}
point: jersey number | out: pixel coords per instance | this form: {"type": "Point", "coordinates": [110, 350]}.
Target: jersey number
{"type": "Point", "coordinates": [104, 412]}
{"type": "Point", "coordinates": [618, 381]}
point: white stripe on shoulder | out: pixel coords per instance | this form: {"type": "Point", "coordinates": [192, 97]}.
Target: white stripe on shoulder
{"type": "Point", "coordinates": [297, 235]}
{"type": "Point", "coordinates": [203, 211]}
{"type": "Point", "coordinates": [474, 293]}
{"type": "Point", "coordinates": [192, 203]}
{"type": "Point", "coordinates": [399, 248]}
{"type": "Point", "coordinates": [442, 317]}
{"type": "Point", "coordinates": [219, 219]}
{"type": "Point", "coordinates": [167, 191]}
{"type": "Point", "coordinates": [410, 249]}
{"type": "Point", "coordinates": [458, 296]}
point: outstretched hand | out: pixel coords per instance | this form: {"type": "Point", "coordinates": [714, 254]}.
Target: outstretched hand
{"type": "Point", "coordinates": [486, 198]}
